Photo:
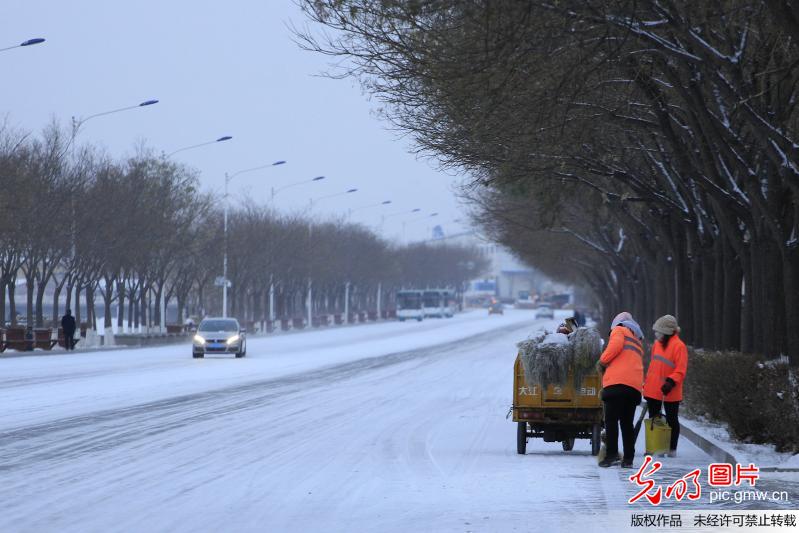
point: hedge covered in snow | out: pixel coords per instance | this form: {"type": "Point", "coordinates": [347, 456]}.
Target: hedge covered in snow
{"type": "Point", "coordinates": [757, 399]}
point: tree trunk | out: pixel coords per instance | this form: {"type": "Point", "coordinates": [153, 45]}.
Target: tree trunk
{"type": "Point", "coordinates": [121, 291]}
{"type": "Point", "coordinates": [68, 302]}
{"type": "Point", "coordinates": [696, 297]}
{"type": "Point", "coordinates": [134, 310]}
{"type": "Point", "coordinates": [29, 291]}
{"type": "Point", "coordinates": [684, 306]}
{"type": "Point", "coordinates": [731, 306]}
{"type": "Point", "coordinates": [720, 313]}
{"type": "Point", "coordinates": [790, 276]}
{"type": "Point", "coordinates": [708, 300]}
{"type": "Point", "coordinates": [108, 294]}
{"type": "Point", "coordinates": [771, 310]}
{"type": "Point", "coordinates": [143, 318]}
{"type": "Point", "coordinates": [56, 298]}
{"type": "Point", "coordinates": [40, 289]}
{"type": "Point", "coordinates": [12, 301]}
{"type": "Point", "coordinates": [3, 286]}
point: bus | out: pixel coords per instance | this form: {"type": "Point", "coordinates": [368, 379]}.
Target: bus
{"type": "Point", "coordinates": [439, 303]}
{"type": "Point", "coordinates": [409, 305]}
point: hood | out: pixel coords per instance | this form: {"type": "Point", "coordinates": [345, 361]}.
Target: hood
{"type": "Point", "coordinates": [633, 326]}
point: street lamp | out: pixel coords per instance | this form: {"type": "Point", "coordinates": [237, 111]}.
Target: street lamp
{"type": "Point", "coordinates": [309, 304]}
{"type": "Point", "coordinates": [219, 140]}
{"type": "Point", "coordinates": [228, 178]}
{"type": "Point", "coordinates": [348, 191]}
{"type": "Point", "coordinates": [275, 191]}
{"type": "Point", "coordinates": [168, 156]}
{"type": "Point", "coordinates": [431, 215]}
{"type": "Point", "coordinates": [400, 213]}
{"type": "Point", "coordinates": [78, 122]}
{"type": "Point", "coordinates": [351, 211]}
{"type": "Point", "coordinates": [29, 42]}
{"type": "Point", "coordinates": [76, 125]}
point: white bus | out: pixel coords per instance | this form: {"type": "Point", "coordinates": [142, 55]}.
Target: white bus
{"type": "Point", "coordinates": [439, 303]}
{"type": "Point", "coordinates": [409, 305]}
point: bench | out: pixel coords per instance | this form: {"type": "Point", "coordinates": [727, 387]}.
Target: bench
{"type": "Point", "coordinates": [17, 339]}
{"type": "Point", "coordinates": [43, 338]}
{"type": "Point", "coordinates": [372, 315]}
{"type": "Point", "coordinates": [297, 323]}
{"type": "Point", "coordinates": [338, 319]}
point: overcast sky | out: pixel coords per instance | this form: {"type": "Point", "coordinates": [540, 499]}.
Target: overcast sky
{"type": "Point", "coordinates": [218, 68]}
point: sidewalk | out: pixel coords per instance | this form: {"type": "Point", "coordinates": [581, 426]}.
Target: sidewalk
{"type": "Point", "coordinates": [716, 441]}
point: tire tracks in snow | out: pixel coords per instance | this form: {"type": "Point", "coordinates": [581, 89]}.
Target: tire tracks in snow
{"type": "Point", "coordinates": [65, 439]}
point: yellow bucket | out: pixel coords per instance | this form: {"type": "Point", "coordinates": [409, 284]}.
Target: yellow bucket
{"type": "Point", "coordinates": [658, 435]}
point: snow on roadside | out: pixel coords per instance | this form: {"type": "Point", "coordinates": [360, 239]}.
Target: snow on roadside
{"type": "Point", "coordinates": [763, 455]}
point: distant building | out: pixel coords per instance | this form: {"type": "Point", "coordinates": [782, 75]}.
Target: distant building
{"type": "Point", "coordinates": [507, 277]}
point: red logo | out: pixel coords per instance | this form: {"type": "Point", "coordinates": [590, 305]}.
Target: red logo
{"type": "Point", "coordinates": [688, 486]}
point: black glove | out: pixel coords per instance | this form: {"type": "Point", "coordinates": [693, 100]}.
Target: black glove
{"type": "Point", "coordinates": [667, 386]}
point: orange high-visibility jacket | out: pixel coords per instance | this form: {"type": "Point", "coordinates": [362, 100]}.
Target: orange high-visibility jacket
{"type": "Point", "coordinates": [669, 362]}
{"type": "Point", "coordinates": [624, 358]}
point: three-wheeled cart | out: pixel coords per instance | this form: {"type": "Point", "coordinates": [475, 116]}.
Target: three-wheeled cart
{"type": "Point", "coordinates": [558, 413]}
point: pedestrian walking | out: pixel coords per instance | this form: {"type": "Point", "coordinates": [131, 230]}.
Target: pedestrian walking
{"type": "Point", "coordinates": [623, 377]}
{"type": "Point", "coordinates": [665, 376]}
{"type": "Point", "coordinates": [68, 326]}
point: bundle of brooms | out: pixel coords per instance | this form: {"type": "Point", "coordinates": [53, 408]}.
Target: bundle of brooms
{"type": "Point", "coordinates": [549, 358]}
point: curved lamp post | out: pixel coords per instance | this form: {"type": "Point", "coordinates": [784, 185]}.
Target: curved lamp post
{"type": "Point", "coordinates": [228, 178]}
{"type": "Point", "coordinates": [351, 211]}
{"type": "Point", "coordinates": [310, 230]}
{"type": "Point", "coordinates": [404, 223]}
{"type": "Point", "coordinates": [29, 42]}
{"type": "Point", "coordinates": [219, 140]}
{"type": "Point", "coordinates": [274, 191]}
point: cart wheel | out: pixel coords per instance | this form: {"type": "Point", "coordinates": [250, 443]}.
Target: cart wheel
{"type": "Point", "coordinates": [596, 439]}
{"type": "Point", "coordinates": [521, 438]}
{"type": "Point", "coordinates": [568, 444]}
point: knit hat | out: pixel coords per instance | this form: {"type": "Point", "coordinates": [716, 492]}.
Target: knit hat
{"type": "Point", "coordinates": [667, 325]}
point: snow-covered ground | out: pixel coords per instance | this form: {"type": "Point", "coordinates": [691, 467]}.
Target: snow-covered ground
{"type": "Point", "coordinates": [386, 427]}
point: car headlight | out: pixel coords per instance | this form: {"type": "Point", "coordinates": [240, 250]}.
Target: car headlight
{"type": "Point", "coordinates": [233, 340]}
{"type": "Point", "coordinates": [199, 340]}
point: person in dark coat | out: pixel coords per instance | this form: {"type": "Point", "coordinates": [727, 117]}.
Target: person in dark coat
{"type": "Point", "coordinates": [68, 325]}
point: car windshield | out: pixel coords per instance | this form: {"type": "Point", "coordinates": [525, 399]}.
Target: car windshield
{"type": "Point", "coordinates": [219, 325]}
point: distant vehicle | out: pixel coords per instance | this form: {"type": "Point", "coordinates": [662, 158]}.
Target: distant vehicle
{"type": "Point", "coordinates": [524, 301]}
{"type": "Point", "coordinates": [409, 305]}
{"type": "Point", "coordinates": [544, 311]}
{"type": "Point", "coordinates": [438, 303]}
{"type": "Point", "coordinates": [559, 301]}
{"type": "Point", "coordinates": [480, 293]}
{"type": "Point", "coordinates": [496, 308]}
{"type": "Point", "coordinates": [219, 335]}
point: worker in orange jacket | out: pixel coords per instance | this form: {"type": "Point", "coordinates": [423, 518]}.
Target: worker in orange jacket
{"type": "Point", "coordinates": [622, 379]}
{"type": "Point", "coordinates": [664, 379]}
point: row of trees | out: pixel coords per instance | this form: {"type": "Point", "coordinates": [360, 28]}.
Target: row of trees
{"type": "Point", "coordinates": [645, 149]}
{"type": "Point", "coordinates": [135, 235]}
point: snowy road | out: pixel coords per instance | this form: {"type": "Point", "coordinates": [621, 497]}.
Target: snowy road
{"type": "Point", "coordinates": [387, 427]}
